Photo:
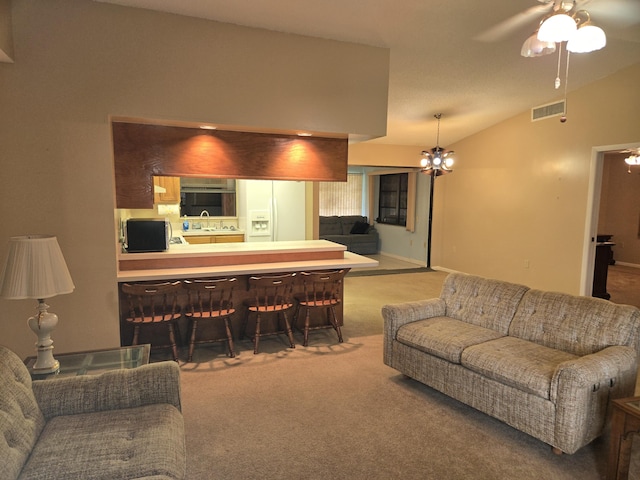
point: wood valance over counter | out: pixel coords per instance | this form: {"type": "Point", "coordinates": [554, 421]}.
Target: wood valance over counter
{"type": "Point", "coordinates": [253, 258]}
{"type": "Point", "coordinates": [141, 152]}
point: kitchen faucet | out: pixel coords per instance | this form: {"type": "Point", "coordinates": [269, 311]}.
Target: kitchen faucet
{"type": "Point", "coordinates": [202, 216]}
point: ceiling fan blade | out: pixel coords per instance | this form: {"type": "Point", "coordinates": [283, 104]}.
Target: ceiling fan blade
{"type": "Point", "coordinates": [512, 24]}
{"type": "Point", "coordinates": [620, 13]}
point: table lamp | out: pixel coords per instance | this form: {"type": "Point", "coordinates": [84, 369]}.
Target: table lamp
{"type": "Point", "coordinates": [35, 268]}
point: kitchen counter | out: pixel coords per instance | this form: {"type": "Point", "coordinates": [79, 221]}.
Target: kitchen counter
{"type": "Point", "coordinates": [197, 261]}
{"type": "Point", "coordinates": [206, 231]}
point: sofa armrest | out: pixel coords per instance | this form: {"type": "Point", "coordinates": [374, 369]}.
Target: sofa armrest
{"type": "Point", "coordinates": [396, 315]}
{"type": "Point", "coordinates": [593, 371]}
{"type": "Point", "coordinates": [581, 390]}
{"type": "Point", "coordinates": [112, 390]}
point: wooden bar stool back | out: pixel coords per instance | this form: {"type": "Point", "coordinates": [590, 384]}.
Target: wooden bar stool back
{"type": "Point", "coordinates": [154, 305]}
{"type": "Point", "coordinates": [210, 299]}
{"type": "Point", "coordinates": [270, 294]}
{"type": "Point", "coordinates": [321, 290]}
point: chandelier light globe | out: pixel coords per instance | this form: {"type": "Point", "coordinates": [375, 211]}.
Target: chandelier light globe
{"type": "Point", "coordinates": [587, 38]}
{"type": "Point", "coordinates": [449, 161]}
{"type": "Point", "coordinates": [557, 28]}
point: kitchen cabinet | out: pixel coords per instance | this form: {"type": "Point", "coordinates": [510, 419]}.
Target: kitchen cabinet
{"type": "Point", "coordinates": [200, 239]}
{"type": "Point", "coordinates": [171, 185]}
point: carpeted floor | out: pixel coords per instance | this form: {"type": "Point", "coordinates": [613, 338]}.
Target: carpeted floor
{"type": "Point", "coordinates": [336, 411]}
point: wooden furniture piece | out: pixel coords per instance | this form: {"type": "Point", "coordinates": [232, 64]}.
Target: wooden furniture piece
{"type": "Point", "coordinates": [203, 239]}
{"type": "Point", "coordinates": [322, 291]}
{"type": "Point", "coordinates": [604, 256]}
{"type": "Point", "coordinates": [152, 305]}
{"type": "Point", "coordinates": [625, 422]}
{"type": "Point", "coordinates": [210, 299]}
{"type": "Point", "coordinates": [270, 294]}
{"type": "Point", "coordinates": [171, 187]}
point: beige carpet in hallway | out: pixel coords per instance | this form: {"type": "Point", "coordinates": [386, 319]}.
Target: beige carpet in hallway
{"type": "Point", "coordinates": [335, 411]}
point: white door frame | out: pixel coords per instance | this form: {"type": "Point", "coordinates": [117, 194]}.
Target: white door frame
{"type": "Point", "coordinates": [593, 210]}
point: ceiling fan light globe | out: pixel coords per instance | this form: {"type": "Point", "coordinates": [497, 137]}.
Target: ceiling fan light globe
{"type": "Point", "coordinates": [587, 39]}
{"type": "Point", "coordinates": [557, 28]}
{"type": "Point", "coordinates": [632, 160]}
{"type": "Point", "coordinates": [448, 163]}
{"type": "Point", "coordinates": [532, 47]}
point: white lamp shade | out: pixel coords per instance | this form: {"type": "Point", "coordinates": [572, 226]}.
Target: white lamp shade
{"type": "Point", "coordinates": [557, 28]}
{"type": "Point", "coordinates": [587, 39]}
{"type": "Point", "coordinates": [35, 268]}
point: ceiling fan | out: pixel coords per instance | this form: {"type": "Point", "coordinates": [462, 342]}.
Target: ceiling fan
{"type": "Point", "coordinates": [621, 13]}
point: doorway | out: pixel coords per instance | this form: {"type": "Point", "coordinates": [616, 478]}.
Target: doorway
{"type": "Point", "coordinates": [614, 207]}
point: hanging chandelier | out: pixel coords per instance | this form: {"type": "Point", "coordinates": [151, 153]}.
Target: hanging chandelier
{"type": "Point", "coordinates": [437, 161]}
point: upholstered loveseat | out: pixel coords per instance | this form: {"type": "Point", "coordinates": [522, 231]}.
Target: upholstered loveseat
{"type": "Point", "coordinates": [353, 231]}
{"type": "Point", "coordinates": [124, 424]}
{"type": "Point", "coordinates": [545, 363]}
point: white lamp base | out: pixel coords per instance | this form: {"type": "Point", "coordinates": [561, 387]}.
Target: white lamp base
{"type": "Point", "coordinates": [42, 325]}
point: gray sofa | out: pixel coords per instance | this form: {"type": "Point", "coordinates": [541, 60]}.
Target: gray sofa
{"type": "Point", "coordinates": [124, 424]}
{"type": "Point", "coordinates": [545, 363]}
{"type": "Point", "coordinates": [353, 231]}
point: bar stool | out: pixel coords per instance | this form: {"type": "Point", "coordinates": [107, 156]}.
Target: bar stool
{"type": "Point", "coordinates": [152, 305]}
{"type": "Point", "coordinates": [210, 299]}
{"type": "Point", "coordinates": [321, 290]}
{"type": "Point", "coordinates": [270, 294]}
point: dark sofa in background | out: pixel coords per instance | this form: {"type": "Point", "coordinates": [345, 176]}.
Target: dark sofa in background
{"type": "Point", "coordinates": [353, 231]}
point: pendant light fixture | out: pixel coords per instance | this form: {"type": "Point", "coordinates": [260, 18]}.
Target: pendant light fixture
{"type": "Point", "coordinates": [437, 161]}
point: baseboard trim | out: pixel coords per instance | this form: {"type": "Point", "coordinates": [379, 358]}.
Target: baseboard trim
{"type": "Point", "coordinates": [404, 259]}
{"type": "Point", "coordinates": [626, 264]}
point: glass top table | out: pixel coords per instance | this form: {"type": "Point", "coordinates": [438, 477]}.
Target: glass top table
{"type": "Point", "coordinates": [94, 362]}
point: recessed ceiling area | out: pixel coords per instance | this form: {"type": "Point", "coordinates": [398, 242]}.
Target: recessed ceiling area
{"type": "Point", "coordinates": [461, 59]}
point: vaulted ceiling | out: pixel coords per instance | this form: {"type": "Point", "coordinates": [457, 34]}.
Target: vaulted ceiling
{"type": "Point", "coordinates": [459, 58]}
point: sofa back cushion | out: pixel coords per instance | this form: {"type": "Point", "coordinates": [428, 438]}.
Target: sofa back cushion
{"type": "Point", "coordinates": [21, 420]}
{"type": "Point", "coordinates": [578, 325]}
{"type": "Point", "coordinates": [481, 301]}
{"type": "Point", "coordinates": [348, 221]}
{"type": "Point", "coordinates": [330, 226]}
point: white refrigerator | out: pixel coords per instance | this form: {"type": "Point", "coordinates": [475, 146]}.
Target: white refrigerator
{"type": "Point", "coordinates": [273, 210]}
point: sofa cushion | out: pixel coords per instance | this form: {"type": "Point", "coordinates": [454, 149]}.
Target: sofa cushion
{"type": "Point", "coordinates": [580, 325]}
{"type": "Point", "coordinates": [359, 228]}
{"type": "Point", "coordinates": [444, 337]}
{"type": "Point", "coordinates": [348, 221]}
{"type": "Point", "coordinates": [330, 226]}
{"type": "Point", "coordinates": [484, 302]}
{"type": "Point", "coordinates": [131, 443]}
{"type": "Point", "coordinates": [21, 420]}
{"type": "Point", "coordinates": [512, 361]}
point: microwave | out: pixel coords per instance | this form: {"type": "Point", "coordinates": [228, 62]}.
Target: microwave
{"type": "Point", "coordinates": [148, 235]}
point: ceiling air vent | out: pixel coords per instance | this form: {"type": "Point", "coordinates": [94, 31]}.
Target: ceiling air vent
{"type": "Point", "coordinates": [546, 111]}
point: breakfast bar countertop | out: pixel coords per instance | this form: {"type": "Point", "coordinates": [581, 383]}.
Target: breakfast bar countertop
{"type": "Point", "coordinates": [261, 258]}
{"type": "Point", "coordinates": [239, 248]}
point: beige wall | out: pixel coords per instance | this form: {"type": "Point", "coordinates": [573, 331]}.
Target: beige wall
{"type": "Point", "coordinates": [79, 62]}
{"type": "Point", "coordinates": [519, 194]}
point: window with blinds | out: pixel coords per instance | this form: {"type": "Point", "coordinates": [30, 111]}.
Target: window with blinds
{"type": "Point", "coordinates": [341, 198]}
